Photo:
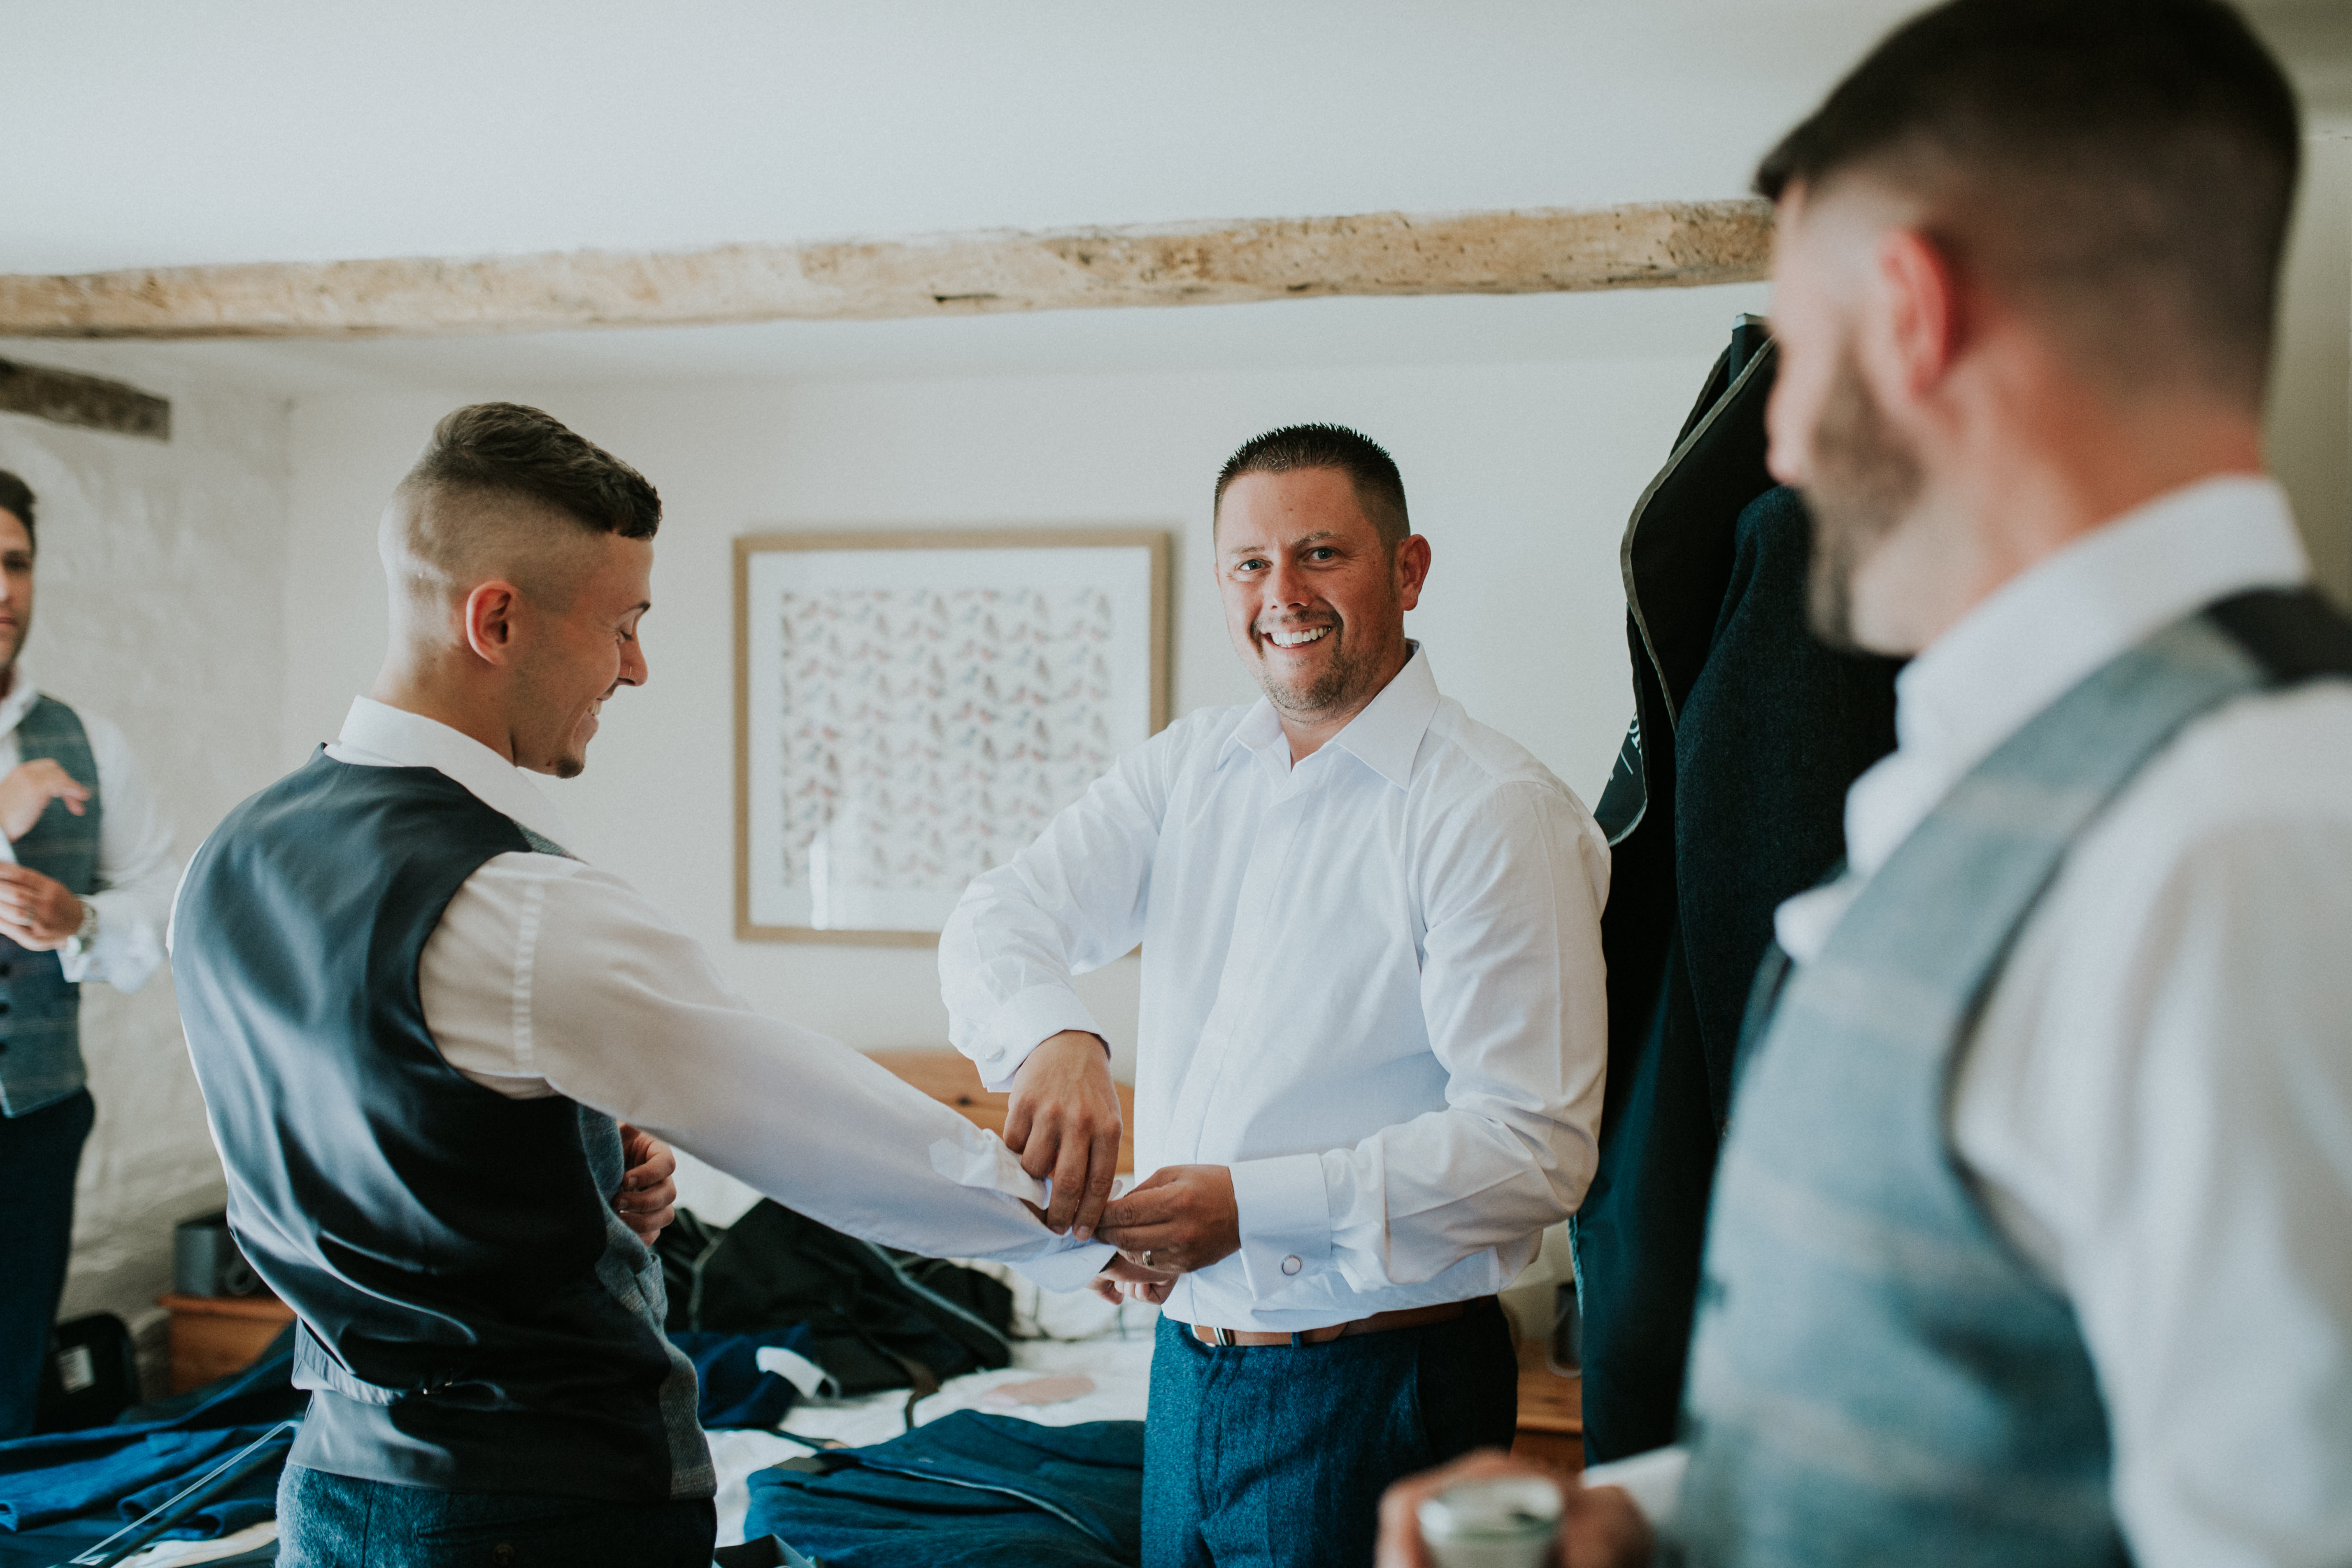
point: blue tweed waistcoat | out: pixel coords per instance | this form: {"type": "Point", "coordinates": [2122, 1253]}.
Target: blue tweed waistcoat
{"type": "Point", "coordinates": [40, 1009]}
{"type": "Point", "coordinates": [1876, 1376]}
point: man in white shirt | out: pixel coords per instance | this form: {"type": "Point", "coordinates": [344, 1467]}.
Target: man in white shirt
{"type": "Point", "coordinates": [423, 1027]}
{"type": "Point", "coordinates": [1370, 1067]}
{"type": "Point", "coordinates": [86, 877]}
{"type": "Point", "coordinates": [2030, 1244]}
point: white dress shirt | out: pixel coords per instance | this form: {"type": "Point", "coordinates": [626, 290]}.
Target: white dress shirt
{"type": "Point", "coordinates": [136, 876]}
{"type": "Point", "coordinates": [2158, 1100]}
{"type": "Point", "coordinates": [1372, 987]}
{"type": "Point", "coordinates": [547, 976]}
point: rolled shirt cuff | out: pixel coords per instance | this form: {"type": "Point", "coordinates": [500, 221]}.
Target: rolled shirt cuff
{"type": "Point", "coordinates": [1021, 1025]}
{"type": "Point", "coordinates": [1286, 1222]}
{"type": "Point", "coordinates": [1068, 1265]}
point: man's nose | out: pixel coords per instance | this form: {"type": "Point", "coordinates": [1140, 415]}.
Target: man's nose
{"type": "Point", "coordinates": [633, 664]}
{"type": "Point", "coordinates": [1287, 584]}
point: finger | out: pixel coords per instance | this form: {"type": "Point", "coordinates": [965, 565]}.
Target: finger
{"type": "Point", "coordinates": [1017, 1123]}
{"type": "Point", "coordinates": [1069, 1184]}
{"type": "Point", "coordinates": [1108, 1289]}
{"type": "Point", "coordinates": [1140, 1206]}
{"type": "Point", "coordinates": [1102, 1169]}
{"type": "Point", "coordinates": [1043, 1153]}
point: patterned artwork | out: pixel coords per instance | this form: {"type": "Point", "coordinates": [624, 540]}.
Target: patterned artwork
{"type": "Point", "coordinates": [917, 717]}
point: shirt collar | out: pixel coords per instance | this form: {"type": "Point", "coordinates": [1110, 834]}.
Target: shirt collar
{"type": "Point", "coordinates": [377, 734]}
{"type": "Point", "coordinates": [1385, 737]}
{"type": "Point", "coordinates": [22, 695]}
{"type": "Point", "coordinates": [2054, 625]}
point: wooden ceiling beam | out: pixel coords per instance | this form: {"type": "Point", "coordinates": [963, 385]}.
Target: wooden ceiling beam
{"type": "Point", "coordinates": [1646, 245]}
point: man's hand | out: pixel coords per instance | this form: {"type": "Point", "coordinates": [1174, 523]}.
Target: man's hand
{"type": "Point", "coordinates": [1183, 1216]}
{"type": "Point", "coordinates": [648, 1189]}
{"type": "Point", "coordinates": [1599, 1528]}
{"type": "Point", "coordinates": [1063, 1121]}
{"type": "Point", "coordinates": [1122, 1280]}
{"type": "Point", "coordinates": [28, 790]}
{"type": "Point", "coordinates": [35, 911]}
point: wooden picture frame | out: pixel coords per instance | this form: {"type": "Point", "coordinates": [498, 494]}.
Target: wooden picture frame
{"type": "Point", "coordinates": [871, 665]}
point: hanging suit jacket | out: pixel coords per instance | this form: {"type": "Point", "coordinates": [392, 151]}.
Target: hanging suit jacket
{"type": "Point", "coordinates": [1728, 796]}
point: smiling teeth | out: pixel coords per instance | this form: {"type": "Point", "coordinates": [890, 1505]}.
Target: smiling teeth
{"type": "Point", "coordinates": [1298, 639]}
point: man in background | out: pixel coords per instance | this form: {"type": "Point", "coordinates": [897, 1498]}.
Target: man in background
{"type": "Point", "coordinates": [1373, 1030]}
{"type": "Point", "coordinates": [2029, 1244]}
{"type": "Point", "coordinates": [86, 876]}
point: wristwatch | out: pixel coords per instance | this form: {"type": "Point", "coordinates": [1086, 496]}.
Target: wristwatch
{"type": "Point", "coordinates": [85, 933]}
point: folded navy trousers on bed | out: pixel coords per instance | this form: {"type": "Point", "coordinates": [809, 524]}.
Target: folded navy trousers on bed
{"type": "Point", "coordinates": [124, 1471]}
{"type": "Point", "coordinates": [967, 1492]}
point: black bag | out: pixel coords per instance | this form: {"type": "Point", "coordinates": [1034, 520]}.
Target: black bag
{"type": "Point", "coordinates": [90, 1375]}
{"type": "Point", "coordinates": [880, 1317]}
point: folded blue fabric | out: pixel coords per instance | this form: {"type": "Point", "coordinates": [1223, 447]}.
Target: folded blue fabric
{"type": "Point", "coordinates": [969, 1491]}
{"type": "Point", "coordinates": [122, 1472]}
{"type": "Point", "coordinates": [162, 1462]}
{"type": "Point", "coordinates": [734, 1391]}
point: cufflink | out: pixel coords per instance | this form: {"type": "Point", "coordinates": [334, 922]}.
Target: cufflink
{"type": "Point", "coordinates": [1292, 1264]}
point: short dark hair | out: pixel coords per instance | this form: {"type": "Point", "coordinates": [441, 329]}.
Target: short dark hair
{"type": "Point", "coordinates": [16, 496]}
{"type": "Point", "coordinates": [1380, 488]}
{"type": "Point", "coordinates": [2129, 164]}
{"type": "Point", "coordinates": [518, 451]}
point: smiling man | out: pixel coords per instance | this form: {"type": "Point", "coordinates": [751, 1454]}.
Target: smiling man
{"type": "Point", "coordinates": [428, 1034]}
{"type": "Point", "coordinates": [1369, 1067]}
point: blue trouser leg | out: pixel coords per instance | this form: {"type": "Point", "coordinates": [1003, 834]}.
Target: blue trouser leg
{"type": "Point", "coordinates": [40, 1151]}
{"type": "Point", "coordinates": [337, 1521]}
{"type": "Point", "coordinates": [1274, 1456]}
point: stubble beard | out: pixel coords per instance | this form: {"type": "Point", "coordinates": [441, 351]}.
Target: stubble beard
{"type": "Point", "coordinates": [1866, 479]}
{"type": "Point", "coordinates": [1328, 690]}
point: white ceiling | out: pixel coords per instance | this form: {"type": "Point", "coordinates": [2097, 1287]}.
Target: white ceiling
{"type": "Point", "coordinates": [290, 130]}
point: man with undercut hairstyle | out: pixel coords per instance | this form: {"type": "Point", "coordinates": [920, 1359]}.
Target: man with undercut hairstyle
{"type": "Point", "coordinates": [2031, 1242]}
{"type": "Point", "coordinates": [85, 875]}
{"type": "Point", "coordinates": [429, 1033]}
{"type": "Point", "coordinates": [1369, 1067]}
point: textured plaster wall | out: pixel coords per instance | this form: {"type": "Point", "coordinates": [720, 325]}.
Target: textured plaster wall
{"type": "Point", "coordinates": [157, 605]}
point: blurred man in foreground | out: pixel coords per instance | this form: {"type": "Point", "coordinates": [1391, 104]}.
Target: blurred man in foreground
{"type": "Point", "coordinates": [2029, 1242]}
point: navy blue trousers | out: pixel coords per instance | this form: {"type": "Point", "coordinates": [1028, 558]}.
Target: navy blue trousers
{"type": "Point", "coordinates": [337, 1521]}
{"type": "Point", "coordinates": [40, 1151]}
{"type": "Point", "coordinates": [1274, 1456]}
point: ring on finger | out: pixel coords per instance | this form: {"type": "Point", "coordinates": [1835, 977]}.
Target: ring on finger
{"type": "Point", "coordinates": [1147, 1257]}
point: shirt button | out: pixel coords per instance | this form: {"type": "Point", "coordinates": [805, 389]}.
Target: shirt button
{"type": "Point", "coordinates": [1292, 1264]}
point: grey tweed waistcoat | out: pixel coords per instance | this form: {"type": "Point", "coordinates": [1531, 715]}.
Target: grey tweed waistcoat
{"type": "Point", "coordinates": [1876, 1375]}
{"type": "Point", "coordinates": [40, 1009]}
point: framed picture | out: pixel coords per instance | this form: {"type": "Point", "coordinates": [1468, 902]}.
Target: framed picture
{"type": "Point", "coordinates": [912, 708]}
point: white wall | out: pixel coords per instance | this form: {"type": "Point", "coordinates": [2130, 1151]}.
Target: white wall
{"type": "Point", "coordinates": [2310, 425]}
{"type": "Point", "coordinates": [155, 605]}
{"type": "Point", "coordinates": [1522, 474]}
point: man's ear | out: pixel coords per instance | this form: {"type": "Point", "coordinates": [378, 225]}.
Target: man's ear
{"type": "Point", "coordinates": [492, 614]}
{"type": "Point", "coordinates": [1923, 315]}
{"type": "Point", "coordinates": [1412, 570]}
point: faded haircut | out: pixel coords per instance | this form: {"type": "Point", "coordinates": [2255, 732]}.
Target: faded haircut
{"type": "Point", "coordinates": [1380, 488]}
{"type": "Point", "coordinates": [505, 490]}
{"type": "Point", "coordinates": [2123, 169]}
{"type": "Point", "coordinates": [16, 496]}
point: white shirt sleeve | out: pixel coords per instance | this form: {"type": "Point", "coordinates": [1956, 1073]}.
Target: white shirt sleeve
{"type": "Point", "coordinates": [1071, 901]}
{"type": "Point", "coordinates": [136, 873]}
{"type": "Point", "coordinates": [548, 976]}
{"type": "Point", "coordinates": [2172, 1136]}
{"type": "Point", "coordinates": [1513, 995]}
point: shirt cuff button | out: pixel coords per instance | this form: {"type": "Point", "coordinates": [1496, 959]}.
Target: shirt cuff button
{"type": "Point", "coordinates": [1292, 1264]}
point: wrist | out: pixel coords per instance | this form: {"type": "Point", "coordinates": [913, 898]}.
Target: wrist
{"type": "Point", "coordinates": [85, 932]}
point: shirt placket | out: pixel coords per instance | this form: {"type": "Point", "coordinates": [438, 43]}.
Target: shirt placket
{"type": "Point", "coordinates": [1252, 955]}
